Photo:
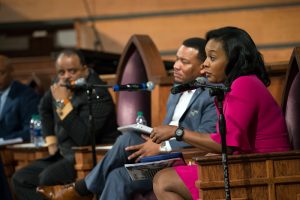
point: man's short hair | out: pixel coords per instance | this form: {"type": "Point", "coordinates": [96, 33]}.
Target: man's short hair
{"type": "Point", "coordinates": [197, 43]}
{"type": "Point", "coordinates": [72, 52]}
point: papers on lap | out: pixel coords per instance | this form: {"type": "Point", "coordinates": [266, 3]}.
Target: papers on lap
{"type": "Point", "coordinates": [136, 127]}
{"type": "Point", "coordinates": [150, 165]}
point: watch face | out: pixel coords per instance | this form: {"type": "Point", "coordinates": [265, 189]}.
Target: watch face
{"type": "Point", "coordinates": [60, 104]}
{"type": "Point", "coordinates": [179, 134]}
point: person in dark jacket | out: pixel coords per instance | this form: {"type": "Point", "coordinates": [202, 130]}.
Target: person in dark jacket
{"type": "Point", "coordinates": [65, 119]}
{"type": "Point", "coordinates": [18, 102]}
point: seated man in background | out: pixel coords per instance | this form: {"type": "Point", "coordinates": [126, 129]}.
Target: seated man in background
{"type": "Point", "coordinates": [192, 110]}
{"type": "Point", "coordinates": [18, 103]}
{"type": "Point", "coordinates": [64, 115]}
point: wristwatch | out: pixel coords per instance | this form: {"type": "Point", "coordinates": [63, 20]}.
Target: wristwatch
{"type": "Point", "coordinates": [164, 147]}
{"type": "Point", "coordinates": [179, 133]}
{"type": "Point", "coordinates": [60, 104]}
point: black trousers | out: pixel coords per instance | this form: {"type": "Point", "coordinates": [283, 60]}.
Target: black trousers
{"type": "Point", "coordinates": [52, 170]}
{"type": "Point", "coordinates": [4, 188]}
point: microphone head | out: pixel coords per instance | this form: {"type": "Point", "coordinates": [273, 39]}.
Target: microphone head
{"type": "Point", "coordinates": [134, 87]}
{"type": "Point", "coordinates": [201, 80]}
{"type": "Point", "coordinates": [79, 83]}
{"type": "Point", "coordinates": [150, 85]}
{"type": "Point", "coordinates": [198, 82]}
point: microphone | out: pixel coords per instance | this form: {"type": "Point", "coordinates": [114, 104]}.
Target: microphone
{"type": "Point", "coordinates": [77, 84]}
{"type": "Point", "coordinates": [214, 88]}
{"type": "Point", "coordinates": [197, 83]}
{"type": "Point", "coordinates": [188, 86]}
{"type": "Point", "coordinates": [134, 87]}
{"type": "Point", "coordinates": [82, 84]}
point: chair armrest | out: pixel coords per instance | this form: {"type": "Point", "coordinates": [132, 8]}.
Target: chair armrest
{"type": "Point", "coordinates": [25, 153]}
{"type": "Point", "coordinates": [84, 158]}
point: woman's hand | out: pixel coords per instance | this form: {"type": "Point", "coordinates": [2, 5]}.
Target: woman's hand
{"type": "Point", "coordinates": [162, 133]}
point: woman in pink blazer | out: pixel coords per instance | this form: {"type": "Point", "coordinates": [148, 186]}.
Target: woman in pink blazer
{"type": "Point", "coordinates": [254, 121]}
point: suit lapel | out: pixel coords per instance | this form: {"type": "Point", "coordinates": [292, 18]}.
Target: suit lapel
{"type": "Point", "coordinates": [172, 107]}
{"type": "Point", "coordinates": [9, 100]}
{"type": "Point", "coordinates": [194, 98]}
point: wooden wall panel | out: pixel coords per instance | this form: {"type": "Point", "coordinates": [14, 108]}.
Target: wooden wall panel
{"type": "Point", "coordinates": [38, 68]}
{"type": "Point", "coordinates": [273, 24]}
{"type": "Point", "coordinates": [23, 10]}
{"type": "Point", "coordinates": [277, 55]}
{"type": "Point", "coordinates": [276, 87]}
{"type": "Point", "coordinates": [268, 28]}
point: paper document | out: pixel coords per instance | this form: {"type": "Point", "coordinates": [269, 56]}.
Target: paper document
{"type": "Point", "coordinates": [10, 141]}
{"type": "Point", "coordinates": [147, 170]}
{"type": "Point", "coordinates": [136, 127]}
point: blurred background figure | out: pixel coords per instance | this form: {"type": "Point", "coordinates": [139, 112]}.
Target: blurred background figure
{"type": "Point", "coordinates": [18, 102]}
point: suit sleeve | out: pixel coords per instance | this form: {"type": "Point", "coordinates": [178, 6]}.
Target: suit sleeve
{"type": "Point", "coordinates": [201, 116]}
{"type": "Point", "coordinates": [28, 105]}
{"type": "Point", "coordinates": [47, 115]}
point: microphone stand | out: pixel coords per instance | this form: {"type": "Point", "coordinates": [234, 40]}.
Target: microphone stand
{"type": "Point", "coordinates": [89, 91]}
{"type": "Point", "coordinates": [219, 93]}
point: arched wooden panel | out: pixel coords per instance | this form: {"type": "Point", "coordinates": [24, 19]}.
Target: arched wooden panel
{"type": "Point", "coordinates": [140, 62]}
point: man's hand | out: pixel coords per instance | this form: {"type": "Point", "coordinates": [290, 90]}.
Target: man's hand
{"type": "Point", "coordinates": [60, 92]}
{"type": "Point", "coordinates": [52, 149]}
{"type": "Point", "coordinates": [162, 133]}
{"type": "Point", "coordinates": [147, 148]}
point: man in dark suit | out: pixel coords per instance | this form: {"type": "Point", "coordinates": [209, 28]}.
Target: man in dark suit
{"type": "Point", "coordinates": [18, 103]}
{"type": "Point", "coordinates": [65, 120]}
{"type": "Point", "coordinates": [193, 110]}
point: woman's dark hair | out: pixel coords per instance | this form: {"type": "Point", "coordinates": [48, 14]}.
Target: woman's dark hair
{"type": "Point", "coordinates": [197, 43]}
{"type": "Point", "coordinates": [243, 56]}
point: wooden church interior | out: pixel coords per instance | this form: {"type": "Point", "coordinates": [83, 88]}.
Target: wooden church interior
{"type": "Point", "coordinates": [131, 41]}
